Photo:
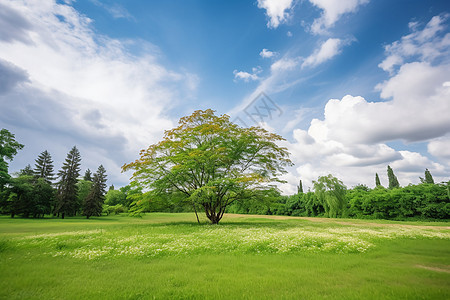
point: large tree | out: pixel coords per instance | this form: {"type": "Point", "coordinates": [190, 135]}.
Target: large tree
{"type": "Point", "coordinates": [67, 186]}
{"type": "Point", "coordinates": [8, 149]}
{"type": "Point", "coordinates": [44, 166]}
{"type": "Point", "coordinates": [330, 191]}
{"type": "Point", "coordinates": [428, 177]}
{"type": "Point", "coordinates": [93, 203]}
{"type": "Point", "coordinates": [393, 181]}
{"type": "Point", "coordinates": [212, 161]}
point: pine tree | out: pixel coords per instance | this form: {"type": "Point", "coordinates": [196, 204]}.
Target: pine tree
{"type": "Point", "coordinates": [393, 181]}
{"type": "Point", "coordinates": [428, 177]}
{"type": "Point", "coordinates": [27, 171]}
{"type": "Point", "coordinates": [87, 175]}
{"type": "Point", "coordinates": [377, 180]}
{"type": "Point", "coordinates": [44, 167]}
{"type": "Point", "coordinates": [93, 205]}
{"type": "Point", "coordinates": [67, 185]}
{"type": "Point", "coordinates": [300, 187]}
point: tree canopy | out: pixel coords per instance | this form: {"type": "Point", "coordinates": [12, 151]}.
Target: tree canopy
{"type": "Point", "coordinates": [212, 161]}
{"type": "Point", "coordinates": [8, 149]}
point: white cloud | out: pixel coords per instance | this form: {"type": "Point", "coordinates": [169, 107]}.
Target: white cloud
{"type": "Point", "coordinates": [246, 76]}
{"type": "Point", "coordinates": [424, 45]}
{"type": "Point", "coordinates": [350, 140]}
{"type": "Point", "coordinates": [332, 10]}
{"type": "Point", "coordinates": [83, 88]}
{"type": "Point", "coordinates": [327, 51]}
{"type": "Point", "coordinates": [278, 11]}
{"type": "Point", "coordinates": [440, 148]}
{"type": "Point", "coordinates": [115, 10]}
{"type": "Point", "coordinates": [267, 54]}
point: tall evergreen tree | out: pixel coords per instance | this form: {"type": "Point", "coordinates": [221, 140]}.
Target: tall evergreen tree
{"type": "Point", "coordinates": [377, 180]}
{"type": "Point", "coordinates": [393, 181]}
{"type": "Point", "coordinates": [93, 204]}
{"type": "Point", "coordinates": [300, 187]}
{"type": "Point", "coordinates": [428, 177]}
{"type": "Point", "coordinates": [44, 166]}
{"type": "Point", "coordinates": [88, 175]}
{"type": "Point", "coordinates": [67, 185]}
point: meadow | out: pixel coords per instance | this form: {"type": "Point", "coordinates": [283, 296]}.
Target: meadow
{"type": "Point", "coordinates": [170, 256]}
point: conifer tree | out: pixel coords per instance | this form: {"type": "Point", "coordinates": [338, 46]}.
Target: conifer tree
{"type": "Point", "coordinates": [67, 185]}
{"type": "Point", "coordinates": [428, 177]}
{"type": "Point", "coordinates": [393, 181]}
{"type": "Point", "coordinates": [93, 204]}
{"type": "Point", "coordinates": [88, 175]}
{"type": "Point", "coordinates": [300, 187]}
{"type": "Point", "coordinates": [27, 171]}
{"type": "Point", "coordinates": [377, 180]}
{"type": "Point", "coordinates": [44, 167]}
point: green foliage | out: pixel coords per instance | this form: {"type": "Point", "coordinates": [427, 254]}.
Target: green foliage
{"type": "Point", "coordinates": [87, 175]}
{"type": "Point", "coordinates": [44, 166]}
{"type": "Point", "coordinates": [300, 187]}
{"type": "Point", "coordinates": [8, 149]}
{"type": "Point", "coordinates": [377, 180]}
{"type": "Point", "coordinates": [114, 197]}
{"type": "Point", "coordinates": [423, 201]}
{"type": "Point", "coordinates": [27, 171]}
{"type": "Point", "coordinates": [67, 186]}
{"type": "Point", "coordinates": [212, 161]}
{"type": "Point", "coordinates": [93, 204]}
{"type": "Point", "coordinates": [29, 196]}
{"type": "Point", "coordinates": [330, 192]}
{"type": "Point", "coordinates": [393, 181]}
{"type": "Point", "coordinates": [428, 177]}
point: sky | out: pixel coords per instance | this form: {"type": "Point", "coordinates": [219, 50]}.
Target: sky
{"type": "Point", "coordinates": [352, 85]}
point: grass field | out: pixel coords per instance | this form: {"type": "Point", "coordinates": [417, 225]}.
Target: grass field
{"type": "Point", "coordinates": [169, 256]}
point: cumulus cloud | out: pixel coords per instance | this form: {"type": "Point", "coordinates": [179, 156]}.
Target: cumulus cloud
{"type": "Point", "coordinates": [278, 11]}
{"type": "Point", "coordinates": [327, 51]}
{"type": "Point", "coordinates": [267, 54]}
{"type": "Point", "coordinates": [351, 139]}
{"type": "Point", "coordinates": [82, 88]}
{"type": "Point", "coordinates": [331, 12]}
{"type": "Point", "coordinates": [440, 148]}
{"type": "Point", "coordinates": [245, 76]}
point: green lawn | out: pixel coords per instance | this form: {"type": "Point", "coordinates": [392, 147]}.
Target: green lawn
{"type": "Point", "coordinates": [169, 256]}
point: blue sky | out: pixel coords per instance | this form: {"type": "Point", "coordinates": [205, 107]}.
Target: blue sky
{"type": "Point", "coordinates": [353, 85]}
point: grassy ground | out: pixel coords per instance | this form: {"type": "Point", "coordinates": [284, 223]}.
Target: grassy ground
{"type": "Point", "coordinates": [169, 256]}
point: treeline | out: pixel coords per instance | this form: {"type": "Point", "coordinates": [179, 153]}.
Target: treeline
{"type": "Point", "coordinates": [33, 192]}
{"type": "Point", "coordinates": [331, 198]}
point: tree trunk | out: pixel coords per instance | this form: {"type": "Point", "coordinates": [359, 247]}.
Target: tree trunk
{"type": "Point", "coordinates": [198, 221]}
{"type": "Point", "coordinates": [62, 215]}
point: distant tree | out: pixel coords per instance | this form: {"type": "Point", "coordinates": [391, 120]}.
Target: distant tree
{"type": "Point", "coordinates": [111, 187]}
{"type": "Point", "coordinates": [377, 180]}
{"type": "Point", "coordinates": [27, 171]}
{"type": "Point", "coordinates": [93, 205]}
{"type": "Point", "coordinates": [8, 149]}
{"type": "Point", "coordinates": [83, 187]}
{"type": "Point", "coordinates": [212, 161]}
{"type": "Point", "coordinates": [87, 175]}
{"type": "Point", "coordinates": [428, 177]}
{"type": "Point", "coordinates": [30, 196]}
{"type": "Point", "coordinates": [331, 193]}
{"type": "Point", "coordinates": [300, 187]}
{"type": "Point", "coordinates": [43, 167]}
{"type": "Point", "coordinates": [114, 197]}
{"type": "Point", "coordinates": [393, 181]}
{"type": "Point", "coordinates": [67, 185]}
